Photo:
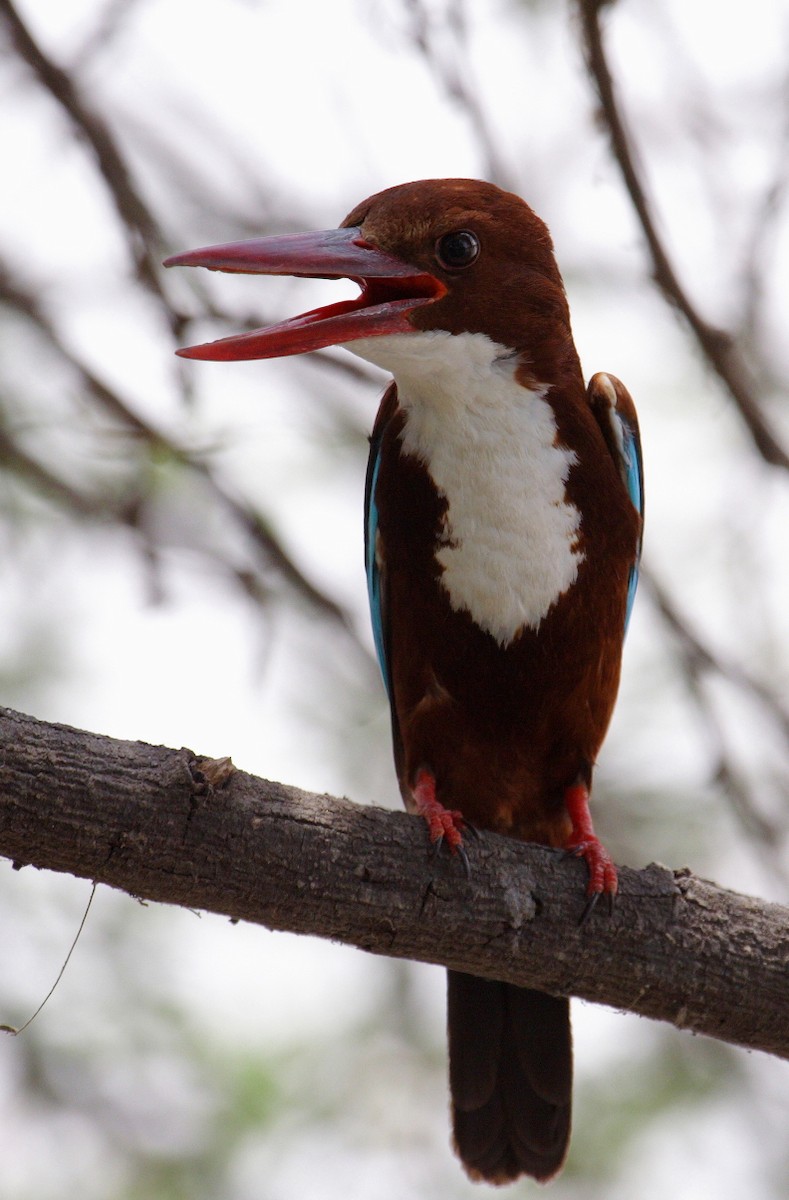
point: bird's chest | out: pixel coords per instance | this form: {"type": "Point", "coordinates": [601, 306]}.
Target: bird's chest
{"type": "Point", "coordinates": [506, 542]}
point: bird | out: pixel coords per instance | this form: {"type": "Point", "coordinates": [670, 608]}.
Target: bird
{"type": "Point", "coordinates": [503, 528]}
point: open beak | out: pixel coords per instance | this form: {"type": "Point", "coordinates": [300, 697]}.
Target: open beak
{"type": "Point", "coordinates": [390, 290]}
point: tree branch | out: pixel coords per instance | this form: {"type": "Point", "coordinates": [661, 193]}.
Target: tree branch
{"type": "Point", "coordinates": [717, 346]}
{"type": "Point", "coordinates": [148, 820]}
{"type": "Point", "coordinates": [23, 301]}
{"type": "Point", "coordinates": [452, 71]}
{"type": "Point", "coordinates": [145, 239]}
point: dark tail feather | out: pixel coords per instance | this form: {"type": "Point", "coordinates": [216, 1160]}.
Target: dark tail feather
{"type": "Point", "coordinates": [510, 1077]}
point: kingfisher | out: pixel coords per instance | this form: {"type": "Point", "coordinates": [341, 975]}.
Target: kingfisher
{"type": "Point", "coordinates": [503, 518]}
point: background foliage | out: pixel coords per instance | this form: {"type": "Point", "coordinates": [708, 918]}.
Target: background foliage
{"type": "Point", "coordinates": [182, 550]}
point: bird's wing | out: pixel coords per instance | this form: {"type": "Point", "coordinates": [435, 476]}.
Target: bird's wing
{"type": "Point", "coordinates": [374, 562]}
{"type": "Point", "coordinates": [615, 413]}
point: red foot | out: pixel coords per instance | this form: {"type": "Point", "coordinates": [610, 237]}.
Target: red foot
{"type": "Point", "coordinates": [443, 824]}
{"type": "Point", "coordinates": [584, 843]}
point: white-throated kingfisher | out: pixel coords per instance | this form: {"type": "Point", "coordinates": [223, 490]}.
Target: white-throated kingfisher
{"type": "Point", "coordinates": [503, 523]}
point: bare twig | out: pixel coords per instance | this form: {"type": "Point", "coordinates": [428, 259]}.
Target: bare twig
{"type": "Point", "coordinates": [254, 524]}
{"type": "Point", "coordinates": [453, 72]}
{"type": "Point", "coordinates": [763, 227]}
{"type": "Point", "coordinates": [716, 345]}
{"type": "Point", "coordinates": [108, 26]}
{"type": "Point", "coordinates": [699, 662]}
{"type": "Point", "coordinates": [704, 657]}
{"type": "Point", "coordinates": [45, 480]}
{"type": "Point", "coordinates": [144, 236]}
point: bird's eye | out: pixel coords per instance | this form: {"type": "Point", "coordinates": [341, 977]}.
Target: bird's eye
{"type": "Point", "coordinates": [458, 249]}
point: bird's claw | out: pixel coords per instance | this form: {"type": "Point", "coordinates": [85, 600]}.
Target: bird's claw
{"type": "Point", "coordinates": [584, 843]}
{"type": "Point", "coordinates": [445, 826]}
{"type": "Point", "coordinates": [459, 849]}
{"type": "Point", "coordinates": [591, 905]}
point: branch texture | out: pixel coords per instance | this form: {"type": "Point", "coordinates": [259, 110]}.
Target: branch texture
{"type": "Point", "coordinates": [148, 820]}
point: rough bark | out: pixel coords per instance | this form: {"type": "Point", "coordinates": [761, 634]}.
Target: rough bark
{"type": "Point", "coordinates": [147, 820]}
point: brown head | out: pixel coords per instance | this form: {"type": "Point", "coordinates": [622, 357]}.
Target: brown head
{"type": "Point", "coordinates": [452, 254]}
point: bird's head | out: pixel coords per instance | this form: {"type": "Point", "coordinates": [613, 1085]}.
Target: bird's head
{"type": "Point", "coordinates": [455, 255]}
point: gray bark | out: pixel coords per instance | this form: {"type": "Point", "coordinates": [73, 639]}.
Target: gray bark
{"type": "Point", "coordinates": [166, 825]}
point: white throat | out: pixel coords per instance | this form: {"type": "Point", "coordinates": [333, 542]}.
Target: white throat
{"type": "Point", "coordinates": [510, 544]}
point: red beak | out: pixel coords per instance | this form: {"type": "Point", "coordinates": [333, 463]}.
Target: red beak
{"type": "Point", "coordinates": [391, 289]}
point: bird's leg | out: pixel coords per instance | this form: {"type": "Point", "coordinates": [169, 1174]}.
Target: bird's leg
{"type": "Point", "coordinates": [443, 824]}
{"type": "Point", "coordinates": [584, 843]}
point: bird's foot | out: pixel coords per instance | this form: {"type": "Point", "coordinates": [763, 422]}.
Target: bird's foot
{"type": "Point", "coordinates": [584, 843]}
{"type": "Point", "coordinates": [445, 826]}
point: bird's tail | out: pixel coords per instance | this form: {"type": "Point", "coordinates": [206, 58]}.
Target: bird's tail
{"type": "Point", "coordinates": [510, 1077]}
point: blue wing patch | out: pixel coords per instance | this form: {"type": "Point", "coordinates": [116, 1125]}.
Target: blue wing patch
{"type": "Point", "coordinates": [373, 571]}
{"type": "Point", "coordinates": [372, 566]}
{"type": "Point", "coordinates": [633, 474]}
{"type": "Point", "coordinates": [615, 413]}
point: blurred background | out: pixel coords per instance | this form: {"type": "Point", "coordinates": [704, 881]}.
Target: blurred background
{"type": "Point", "coordinates": [182, 555]}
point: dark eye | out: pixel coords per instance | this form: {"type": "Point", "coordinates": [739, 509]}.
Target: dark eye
{"type": "Point", "coordinates": [458, 249]}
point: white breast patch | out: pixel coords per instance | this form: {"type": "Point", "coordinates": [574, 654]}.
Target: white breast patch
{"type": "Point", "coordinates": [511, 537]}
